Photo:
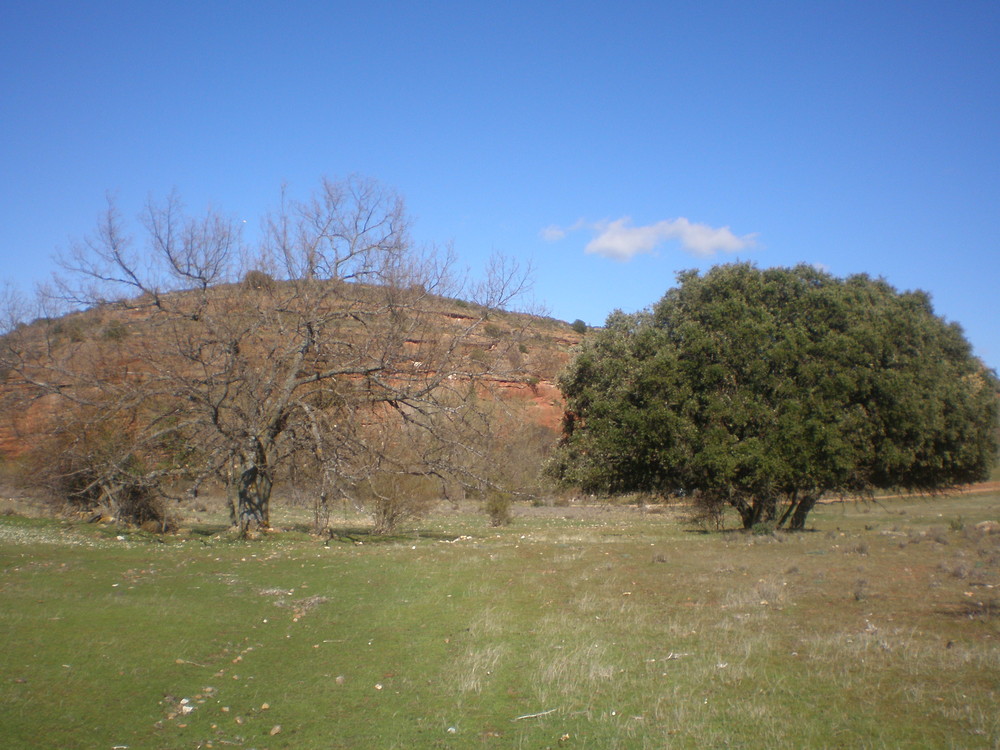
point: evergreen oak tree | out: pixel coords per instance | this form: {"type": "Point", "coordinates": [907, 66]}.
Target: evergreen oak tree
{"type": "Point", "coordinates": [767, 389]}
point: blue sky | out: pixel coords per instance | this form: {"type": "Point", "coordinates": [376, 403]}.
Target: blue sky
{"type": "Point", "coordinates": [609, 144]}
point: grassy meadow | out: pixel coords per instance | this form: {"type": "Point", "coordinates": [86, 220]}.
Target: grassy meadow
{"type": "Point", "coordinates": [597, 628]}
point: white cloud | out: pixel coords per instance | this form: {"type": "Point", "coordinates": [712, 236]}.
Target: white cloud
{"type": "Point", "coordinates": [618, 240]}
{"type": "Point", "coordinates": [621, 241]}
{"type": "Point", "coordinates": [552, 233]}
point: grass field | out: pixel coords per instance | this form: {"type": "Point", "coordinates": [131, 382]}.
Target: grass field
{"type": "Point", "coordinates": [576, 628]}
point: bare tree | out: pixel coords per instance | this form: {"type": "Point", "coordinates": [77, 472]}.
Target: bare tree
{"type": "Point", "coordinates": [328, 345]}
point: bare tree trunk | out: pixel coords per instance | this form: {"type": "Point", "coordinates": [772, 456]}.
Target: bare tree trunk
{"type": "Point", "coordinates": [231, 495]}
{"type": "Point", "coordinates": [253, 490]}
{"type": "Point", "coordinates": [253, 499]}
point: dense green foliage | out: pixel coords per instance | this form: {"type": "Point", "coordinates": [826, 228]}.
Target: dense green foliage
{"type": "Point", "coordinates": [766, 389]}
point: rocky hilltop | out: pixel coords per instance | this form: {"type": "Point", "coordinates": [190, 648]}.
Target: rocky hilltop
{"type": "Point", "coordinates": [122, 336]}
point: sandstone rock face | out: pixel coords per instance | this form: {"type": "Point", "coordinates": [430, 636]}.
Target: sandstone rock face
{"type": "Point", "coordinates": [542, 398]}
{"type": "Point", "coordinates": [545, 351]}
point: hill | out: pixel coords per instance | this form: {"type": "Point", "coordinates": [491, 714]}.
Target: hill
{"type": "Point", "coordinates": [172, 380]}
{"type": "Point", "coordinates": [122, 335]}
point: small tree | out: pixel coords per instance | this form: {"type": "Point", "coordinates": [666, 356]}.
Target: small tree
{"type": "Point", "coordinates": [766, 389]}
{"type": "Point", "coordinates": [83, 462]}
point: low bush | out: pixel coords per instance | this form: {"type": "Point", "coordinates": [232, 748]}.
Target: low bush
{"type": "Point", "coordinates": [259, 281]}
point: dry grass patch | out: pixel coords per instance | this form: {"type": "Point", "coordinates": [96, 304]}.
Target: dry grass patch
{"type": "Point", "coordinates": [477, 666]}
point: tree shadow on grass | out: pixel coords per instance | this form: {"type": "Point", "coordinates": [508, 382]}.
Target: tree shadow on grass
{"type": "Point", "coordinates": [987, 608]}
{"type": "Point", "coordinates": [206, 530]}
{"type": "Point", "coordinates": [740, 531]}
{"type": "Point", "coordinates": [365, 535]}
{"type": "Point", "coordinates": [215, 532]}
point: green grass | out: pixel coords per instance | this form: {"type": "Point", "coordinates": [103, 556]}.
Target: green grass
{"type": "Point", "coordinates": [603, 629]}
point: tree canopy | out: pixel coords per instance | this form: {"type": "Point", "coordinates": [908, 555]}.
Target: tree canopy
{"type": "Point", "coordinates": [767, 389]}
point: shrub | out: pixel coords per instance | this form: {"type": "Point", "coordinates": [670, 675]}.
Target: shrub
{"type": "Point", "coordinates": [88, 464]}
{"type": "Point", "coordinates": [115, 331]}
{"type": "Point", "coordinates": [706, 515]}
{"type": "Point", "coordinates": [123, 491]}
{"type": "Point", "coordinates": [514, 358]}
{"type": "Point", "coordinates": [394, 498]}
{"type": "Point", "coordinates": [498, 506]}
{"type": "Point", "coordinates": [258, 281]}
{"type": "Point", "coordinates": [480, 356]}
{"type": "Point", "coordinates": [860, 590]}
{"type": "Point", "coordinates": [938, 534]}
{"type": "Point", "coordinates": [579, 326]}
{"type": "Point", "coordinates": [72, 329]}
